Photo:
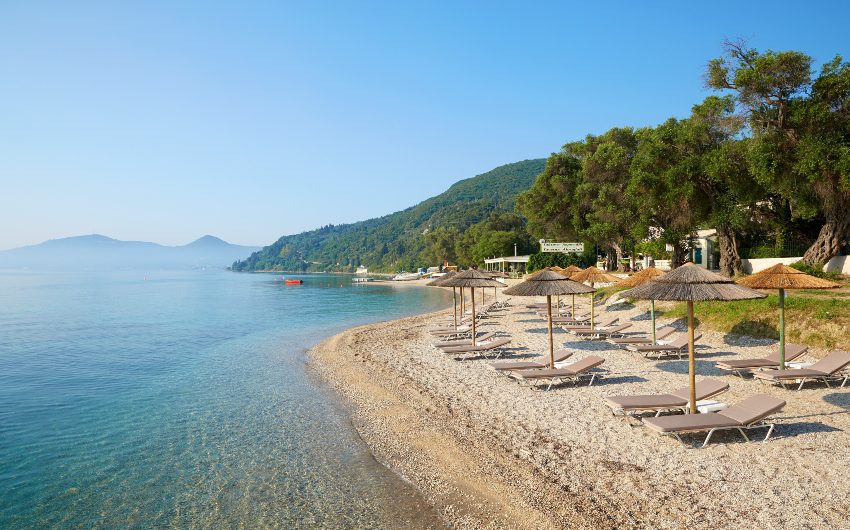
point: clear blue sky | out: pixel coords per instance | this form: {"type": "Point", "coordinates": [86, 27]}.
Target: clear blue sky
{"type": "Point", "coordinates": [165, 121]}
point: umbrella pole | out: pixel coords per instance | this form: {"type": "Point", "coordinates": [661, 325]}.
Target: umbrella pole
{"type": "Point", "coordinates": [454, 304]}
{"type": "Point", "coordinates": [574, 306]}
{"type": "Point", "coordinates": [473, 317]}
{"type": "Point", "coordinates": [652, 312]}
{"type": "Point", "coordinates": [559, 305]}
{"type": "Point", "coordinates": [592, 312]}
{"type": "Point", "coordinates": [551, 346]}
{"type": "Point", "coordinates": [692, 376]}
{"type": "Point", "coordinates": [782, 329]}
{"type": "Point", "coordinates": [461, 303]}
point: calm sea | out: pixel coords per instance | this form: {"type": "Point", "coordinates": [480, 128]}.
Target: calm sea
{"type": "Point", "coordinates": [182, 400]}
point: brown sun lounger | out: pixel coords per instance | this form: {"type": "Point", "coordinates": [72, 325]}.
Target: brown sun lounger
{"type": "Point", "coordinates": [461, 331]}
{"type": "Point", "coordinates": [543, 362]}
{"type": "Point", "coordinates": [494, 346]}
{"type": "Point", "coordinates": [742, 366]}
{"type": "Point", "coordinates": [573, 372]}
{"type": "Point", "coordinates": [601, 333]}
{"type": "Point", "coordinates": [600, 323]}
{"type": "Point", "coordinates": [678, 347]}
{"type": "Point", "coordinates": [658, 403]}
{"type": "Point", "coordinates": [465, 342]}
{"type": "Point", "coordinates": [660, 333]}
{"type": "Point", "coordinates": [833, 366]}
{"type": "Point", "coordinates": [561, 320]}
{"type": "Point", "coordinates": [752, 413]}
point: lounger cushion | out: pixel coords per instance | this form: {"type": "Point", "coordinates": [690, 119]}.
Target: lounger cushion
{"type": "Point", "coordinates": [746, 363]}
{"type": "Point", "coordinates": [568, 371]}
{"type": "Point", "coordinates": [689, 422]}
{"type": "Point", "coordinates": [789, 374]}
{"type": "Point", "coordinates": [753, 409]}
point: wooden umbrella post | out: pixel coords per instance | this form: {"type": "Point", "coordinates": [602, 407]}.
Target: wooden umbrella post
{"type": "Point", "coordinates": [574, 306]}
{"type": "Point", "coordinates": [652, 312]}
{"type": "Point", "coordinates": [551, 344]}
{"type": "Point", "coordinates": [454, 304]}
{"type": "Point", "coordinates": [592, 312]}
{"type": "Point", "coordinates": [473, 317]}
{"type": "Point", "coordinates": [462, 308]}
{"type": "Point", "coordinates": [782, 329]}
{"type": "Point", "coordinates": [692, 364]}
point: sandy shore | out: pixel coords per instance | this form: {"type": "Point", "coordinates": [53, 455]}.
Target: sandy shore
{"type": "Point", "coordinates": [487, 452]}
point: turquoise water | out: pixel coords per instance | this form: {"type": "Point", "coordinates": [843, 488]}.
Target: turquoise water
{"type": "Point", "coordinates": [183, 400]}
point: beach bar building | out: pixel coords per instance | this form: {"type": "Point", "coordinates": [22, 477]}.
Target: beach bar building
{"type": "Point", "coordinates": [507, 264]}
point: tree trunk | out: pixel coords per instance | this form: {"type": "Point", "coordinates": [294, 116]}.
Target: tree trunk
{"type": "Point", "coordinates": [618, 255]}
{"type": "Point", "coordinates": [836, 227]}
{"type": "Point", "coordinates": [730, 260]}
{"type": "Point", "coordinates": [678, 256]}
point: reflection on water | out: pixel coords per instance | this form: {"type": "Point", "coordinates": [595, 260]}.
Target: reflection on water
{"type": "Point", "coordinates": [181, 399]}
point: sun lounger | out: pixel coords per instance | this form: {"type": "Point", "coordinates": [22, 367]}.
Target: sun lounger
{"type": "Point", "coordinates": [560, 320]}
{"type": "Point", "coordinates": [660, 333]}
{"type": "Point", "coordinates": [678, 347]}
{"type": "Point", "coordinates": [742, 366]}
{"type": "Point", "coordinates": [465, 342]}
{"type": "Point", "coordinates": [599, 323]}
{"type": "Point", "coordinates": [493, 346]}
{"type": "Point", "coordinates": [573, 372]}
{"type": "Point", "coordinates": [833, 366]}
{"type": "Point", "coordinates": [752, 413]}
{"type": "Point", "coordinates": [602, 333]}
{"type": "Point", "coordinates": [542, 362]}
{"type": "Point", "coordinates": [452, 332]}
{"type": "Point", "coordinates": [658, 403]}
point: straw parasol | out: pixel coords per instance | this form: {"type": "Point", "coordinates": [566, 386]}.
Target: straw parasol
{"type": "Point", "coordinates": [439, 283]}
{"type": "Point", "coordinates": [641, 278]}
{"type": "Point", "coordinates": [593, 275]}
{"type": "Point", "coordinates": [548, 283]}
{"type": "Point", "coordinates": [472, 279]}
{"type": "Point", "coordinates": [691, 283]}
{"type": "Point", "coordinates": [784, 277]}
{"type": "Point", "coordinates": [568, 272]}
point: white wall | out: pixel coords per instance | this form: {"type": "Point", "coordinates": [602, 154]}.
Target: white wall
{"type": "Point", "coordinates": [839, 264]}
{"type": "Point", "coordinates": [755, 265]}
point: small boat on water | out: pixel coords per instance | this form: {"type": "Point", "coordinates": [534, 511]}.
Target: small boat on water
{"type": "Point", "coordinates": [293, 282]}
{"type": "Point", "coordinates": [362, 280]}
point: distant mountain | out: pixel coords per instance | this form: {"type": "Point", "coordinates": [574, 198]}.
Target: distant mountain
{"type": "Point", "coordinates": [97, 252]}
{"type": "Point", "coordinates": [396, 241]}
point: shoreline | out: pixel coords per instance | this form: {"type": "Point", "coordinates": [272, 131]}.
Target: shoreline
{"type": "Point", "coordinates": [487, 453]}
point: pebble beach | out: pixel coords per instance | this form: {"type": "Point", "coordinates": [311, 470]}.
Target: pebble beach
{"type": "Point", "coordinates": [488, 452]}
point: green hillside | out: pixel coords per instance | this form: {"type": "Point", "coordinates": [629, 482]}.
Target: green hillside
{"type": "Point", "coordinates": [398, 241]}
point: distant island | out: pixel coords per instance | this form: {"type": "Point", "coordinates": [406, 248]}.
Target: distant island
{"type": "Point", "coordinates": [471, 220]}
{"type": "Point", "coordinates": [98, 252]}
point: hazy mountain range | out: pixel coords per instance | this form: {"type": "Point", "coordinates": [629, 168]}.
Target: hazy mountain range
{"type": "Point", "coordinates": [97, 252]}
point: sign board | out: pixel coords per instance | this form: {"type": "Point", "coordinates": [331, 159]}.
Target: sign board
{"type": "Point", "coordinates": [566, 248]}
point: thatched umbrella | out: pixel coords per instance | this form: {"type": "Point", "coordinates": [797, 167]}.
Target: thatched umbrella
{"type": "Point", "coordinates": [691, 283]}
{"type": "Point", "coordinates": [472, 279]}
{"type": "Point", "coordinates": [593, 275]}
{"type": "Point", "coordinates": [571, 269]}
{"type": "Point", "coordinates": [548, 283]}
{"type": "Point", "coordinates": [784, 277]}
{"type": "Point", "coordinates": [439, 283]}
{"type": "Point", "coordinates": [641, 278]}
{"type": "Point", "coordinates": [569, 272]}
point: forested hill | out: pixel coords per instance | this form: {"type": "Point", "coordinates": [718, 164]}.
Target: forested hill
{"type": "Point", "coordinates": [398, 241]}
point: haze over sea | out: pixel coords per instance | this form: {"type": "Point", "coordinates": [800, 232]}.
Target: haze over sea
{"type": "Point", "coordinates": [182, 399]}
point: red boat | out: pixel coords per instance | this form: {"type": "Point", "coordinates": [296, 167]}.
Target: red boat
{"type": "Point", "coordinates": [293, 282]}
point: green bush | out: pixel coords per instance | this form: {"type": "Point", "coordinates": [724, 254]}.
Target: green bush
{"type": "Point", "coordinates": [542, 260]}
{"type": "Point", "coordinates": [814, 271]}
